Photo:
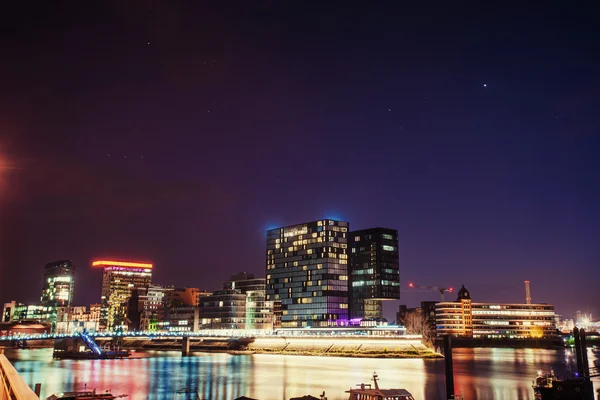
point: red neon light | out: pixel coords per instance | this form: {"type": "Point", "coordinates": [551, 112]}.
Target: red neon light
{"type": "Point", "coordinates": [104, 263]}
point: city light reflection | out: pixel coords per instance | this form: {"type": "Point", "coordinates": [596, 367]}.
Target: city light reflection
{"type": "Point", "coordinates": [478, 374]}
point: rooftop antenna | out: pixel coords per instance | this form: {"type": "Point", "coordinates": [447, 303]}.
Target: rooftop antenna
{"type": "Point", "coordinates": [527, 293]}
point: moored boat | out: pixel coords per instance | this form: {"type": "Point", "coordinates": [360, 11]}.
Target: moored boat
{"type": "Point", "coordinates": [84, 395]}
{"type": "Point", "coordinates": [366, 392]}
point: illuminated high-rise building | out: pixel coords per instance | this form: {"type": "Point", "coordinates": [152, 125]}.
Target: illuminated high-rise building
{"type": "Point", "coordinates": [119, 279]}
{"type": "Point", "coordinates": [307, 271]}
{"type": "Point", "coordinates": [57, 290]}
{"type": "Point", "coordinates": [374, 273]}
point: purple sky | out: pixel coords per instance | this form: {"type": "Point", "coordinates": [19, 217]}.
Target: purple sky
{"type": "Point", "coordinates": [179, 133]}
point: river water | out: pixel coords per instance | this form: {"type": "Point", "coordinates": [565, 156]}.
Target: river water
{"type": "Point", "coordinates": [478, 374]}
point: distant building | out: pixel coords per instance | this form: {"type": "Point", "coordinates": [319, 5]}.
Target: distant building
{"type": "Point", "coordinates": [374, 273]}
{"type": "Point", "coordinates": [494, 320]}
{"type": "Point", "coordinates": [95, 311]}
{"type": "Point", "coordinates": [119, 279]}
{"type": "Point", "coordinates": [72, 313]}
{"type": "Point", "coordinates": [187, 296]}
{"type": "Point", "coordinates": [184, 319]}
{"type": "Point", "coordinates": [75, 319]}
{"type": "Point", "coordinates": [148, 306]}
{"type": "Point", "coordinates": [59, 279]}
{"type": "Point", "coordinates": [307, 271]}
{"type": "Point", "coordinates": [259, 311]}
{"type": "Point", "coordinates": [224, 309]}
{"type": "Point", "coordinates": [18, 312]}
{"type": "Point", "coordinates": [23, 328]}
{"type": "Point", "coordinates": [8, 310]}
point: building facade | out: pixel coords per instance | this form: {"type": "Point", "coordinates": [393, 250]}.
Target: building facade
{"type": "Point", "coordinates": [75, 319]}
{"type": "Point", "coordinates": [494, 320]}
{"type": "Point", "coordinates": [259, 310]}
{"type": "Point", "coordinates": [307, 271]}
{"type": "Point", "coordinates": [15, 312]}
{"type": "Point", "coordinates": [224, 309]}
{"type": "Point", "coordinates": [187, 296]}
{"type": "Point", "coordinates": [184, 319]}
{"type": "Point", "coordinates": [373, 272]}
{"type": "Point", "coordinates": [119, 279]}
{"type": "Point", "coordinates": [59, 279]}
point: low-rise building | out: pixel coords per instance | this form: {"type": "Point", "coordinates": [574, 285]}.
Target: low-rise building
{"type": "Point", "coordinates": [494, 320]}
{"type": "Point", "coordinates": [184, 319]}
{"type": "Point", "coordinates": [14, 311]}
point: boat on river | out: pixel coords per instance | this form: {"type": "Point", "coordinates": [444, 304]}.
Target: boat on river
{"type": "Point", "coordinates": [547, 386]}
{"type": "Point", "coordinates": [84, 395]}
{"type": "Point", "coordinates": [366, 392]}
{"type": "Point", "coordinates": [577, 385]}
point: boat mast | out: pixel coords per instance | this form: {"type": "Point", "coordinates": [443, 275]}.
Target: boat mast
{"type": "Point", "coordinates": [375, 379]}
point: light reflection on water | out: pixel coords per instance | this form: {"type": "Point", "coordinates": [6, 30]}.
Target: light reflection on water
{"type": "Point", "coordinates": [478, 374]}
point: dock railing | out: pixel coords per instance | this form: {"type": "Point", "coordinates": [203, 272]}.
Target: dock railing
{"type": "Point", "coordinates": [12, 385]}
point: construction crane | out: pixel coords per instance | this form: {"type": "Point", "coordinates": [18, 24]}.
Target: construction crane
{"type": "Point", "coordinates": [441, 290]}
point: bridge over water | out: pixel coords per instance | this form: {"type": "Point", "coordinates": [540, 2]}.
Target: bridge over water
{"type": "Point", "coordinates": [97, 342]}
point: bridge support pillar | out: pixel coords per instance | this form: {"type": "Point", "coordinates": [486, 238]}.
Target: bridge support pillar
{"type": "Point", "coordinates": [185, 346]}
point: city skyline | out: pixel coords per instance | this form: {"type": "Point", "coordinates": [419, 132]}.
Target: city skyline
{"type": "Point", "coordinates": [179, 133]}
{"type": "Point", "coordinates": [408, 288]}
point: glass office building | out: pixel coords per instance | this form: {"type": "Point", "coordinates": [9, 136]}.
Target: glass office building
{"type": "Point", "coordinates": [307, 271]}
{"type": "Point", "coordinates": [57, 289]}
{"type": "Point", "coordinates": [374, 273]}
{"type": "Point", "coordinates": [119, 279]}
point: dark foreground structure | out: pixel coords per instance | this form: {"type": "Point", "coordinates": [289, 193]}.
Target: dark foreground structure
{"type": "Point", "coordinates": [576, 387]}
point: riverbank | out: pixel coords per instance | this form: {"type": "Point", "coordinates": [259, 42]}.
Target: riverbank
{"type": "Point", "coordinates": [359, 347]}
{"type": "Point", "coordinates": [367, 347]}
{"type": "Point", "coordinates": [420, 354]}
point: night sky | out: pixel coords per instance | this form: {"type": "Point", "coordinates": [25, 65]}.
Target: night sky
{"type": "Point", "coordinates": [178, 132]}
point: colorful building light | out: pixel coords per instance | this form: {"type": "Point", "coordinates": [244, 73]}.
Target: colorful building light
{"type": "Point", "coordinates": [103, 263]}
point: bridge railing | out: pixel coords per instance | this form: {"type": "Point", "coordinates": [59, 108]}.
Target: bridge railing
{"type": "Point", "coordinates": [12, 385]}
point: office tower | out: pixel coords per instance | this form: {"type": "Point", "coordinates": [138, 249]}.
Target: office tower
{"type": "Point", "coordinates": [57, 290]}
{"type": "Point", "coordinates": [307, 271]}
{"type": "Point", "coordinates": [119, 279]}
{"type": "Point", "coordinates": [373, 271]}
